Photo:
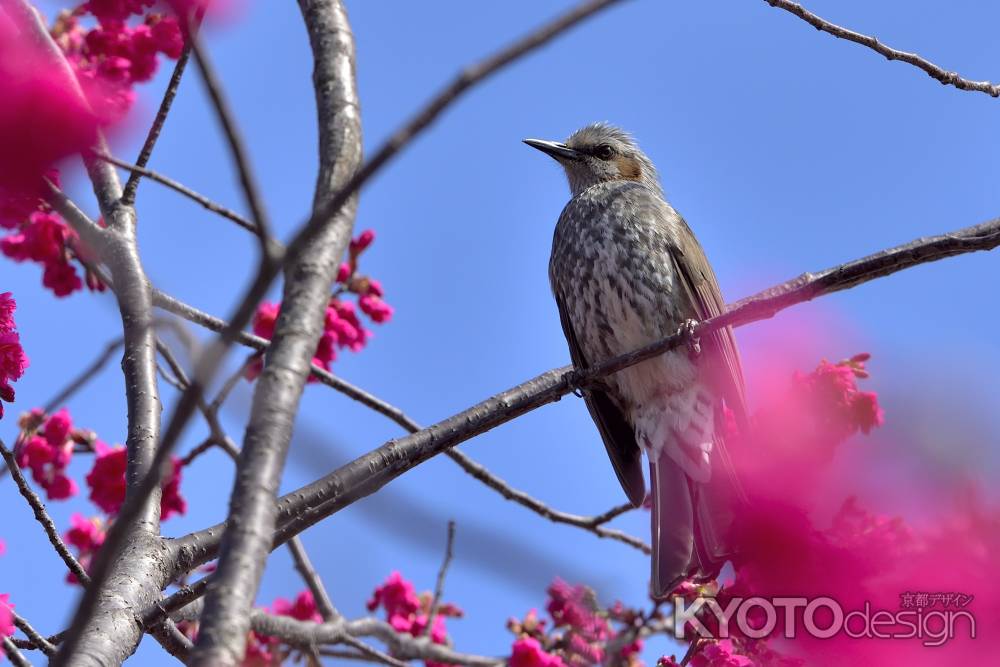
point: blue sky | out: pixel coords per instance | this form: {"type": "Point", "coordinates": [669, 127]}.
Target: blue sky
{"type": "Point", "coordinates": [786, 150]}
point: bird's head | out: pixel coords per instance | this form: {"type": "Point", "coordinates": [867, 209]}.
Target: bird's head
{"type": "Point", "coordinates": [599, 153]}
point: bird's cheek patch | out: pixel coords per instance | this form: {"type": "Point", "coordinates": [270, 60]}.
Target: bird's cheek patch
{"type": "Point", "coordinates": [629, 169]}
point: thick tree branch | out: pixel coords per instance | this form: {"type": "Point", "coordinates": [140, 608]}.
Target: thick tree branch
{"type": "Point", "coordinates": [401, 646]}
{"type": "Point", "coordinates": [309, 274]}
{"type": "Point", "coordinates": [934, 71]}
{"type": "Point", "coordinates": [365, 475]}
{"type": "Point", "coordinates": [102, 617]}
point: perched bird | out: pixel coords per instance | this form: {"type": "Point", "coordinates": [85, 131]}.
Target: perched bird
{"type": "Point", "coordinates": [626, 270]}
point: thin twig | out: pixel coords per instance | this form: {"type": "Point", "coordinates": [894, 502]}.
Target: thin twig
{"type": "Point", "coordinates": [692, 649]}
{"type": "Point", "coordinates": [206, 444]}
{"type": "Point", "coordinates": [128, 192]}
{"type": "Point", "coordinates": [85, 376]}
{"type": "Point", "coordinates": [33, 635]}
{"type": "Point", "coordinates": [442, 572]}
{"type": "Point", "coordinates": [42, 516]}
{"type": "Point", "coordinates": [231, 382]}
{"type": "Point", "coordinates": [241, 159]}
{"type": "Point", "coordinates": [312, 579]}
{"type": "Point", "coordinates": [182, 189]}
{"type": "Point", "coordinates": [934, 71]}
{"type": "Point", "coordinates": [591, 524]}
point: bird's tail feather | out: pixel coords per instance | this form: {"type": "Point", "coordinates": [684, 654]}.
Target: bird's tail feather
{"type": "Point", "coordinates": [691, 522]}
{"type": "Point", "coordinates": [672, 524]}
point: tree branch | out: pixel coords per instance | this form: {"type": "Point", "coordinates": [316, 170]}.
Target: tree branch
{"type": "Point", "coordinates": [306, 506]}
{"type": "Point", "coordinates": [42, 516]}
{"type": "Point", "coordinates": [309, 274]}
{"type": "Point", "coordinates": [138, 170]}
{"type": "Point", "coordinates": [401, 646]}
{"type": "Point", "coordinates": [128, 193]}
{"type": "Point", "coordinates": [439, 586]}
{"type": "Point", "coordinates": [33, 635]}
{"type": "Point", "coordinates": [312, 580]}
{"type": "Point", "coordinates": [934, 71]}
{"type": "Point", "coordinates": [239, 153]}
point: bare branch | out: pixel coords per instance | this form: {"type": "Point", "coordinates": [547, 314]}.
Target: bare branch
{"type": "Point", "coordinates": [128, 192]}
{"type": "Point", "coordinates": [33, 635]}
{"type": "Point", "coordinates": [85, 376]}
{"type": "Point", "coordinates": [591, 524]}
{"type": "Point", "coordinates": [239, 153]}
{"type": "Point", "coordinates": [207, 203]}
{"type": "Point", "coordinates": [365, 475]}
{"type": "Point", "coordinates": [934, 71]}
{"type": "Point", "coordinates": [14, 655]}
{"type": "Point", "coordinates": [442, 572]}
{"type": "Point", "coordinates": [312, 579]}
{"type": "Point", "coordinates": [42, 516]}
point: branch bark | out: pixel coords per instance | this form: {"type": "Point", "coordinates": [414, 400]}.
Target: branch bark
{"type": "Point", "coordinates": [309, 274]}
{"type": "Point", "coordinates": [365, 475]}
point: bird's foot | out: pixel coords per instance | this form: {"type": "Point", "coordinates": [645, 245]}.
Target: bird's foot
{"type": "Point", "coordinates": [688, 329]}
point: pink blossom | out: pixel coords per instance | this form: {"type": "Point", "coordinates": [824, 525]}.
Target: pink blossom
{"type": "Point", "coordinates": [47, 452]}
{"type": "Point", "coordinates": [107, 478]}
{"type": "Point", "coordinates": [303, 608]}
{"type": "Point", "coordinates": [13, 360]}
{"type": "Point", "coordinates": [44, 238]}
{"type": "Point", "coordinates": [720, 654]}
{"type": "Point", "coordinates": [396, 596]}
{"type": "Point", "coordinates": [42, 119]}
{"type": "Point", "coordinates": [408, 613]}
{"type": "Point", "coordinates": [87, 535]}
{"type": "Point", "coordinates": [375, 308]}
{"type": "Point", "coordinates": [361, 242]}
{"type": "Point", "coordinates": [107, 483]}
{"type": "Point", "coordinates": [7, 627]}
{"type": "Point", "coordinates": [261, 651]}
{"type": "Point", "coordinates": [171, 501]}
{"type": "Point", "coordinates": [344, 272]}
{"type": "Point", "coordinates": [527, 652]}
{"type": "Point", "coordinates": [116, 11]}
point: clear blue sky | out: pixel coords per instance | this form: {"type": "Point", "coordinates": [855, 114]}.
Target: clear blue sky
{"type": "Point", "coordinates": [786, 150]}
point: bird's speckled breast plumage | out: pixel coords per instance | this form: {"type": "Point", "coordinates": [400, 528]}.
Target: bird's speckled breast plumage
{"type": "Point", "coordinates": [611, 267]}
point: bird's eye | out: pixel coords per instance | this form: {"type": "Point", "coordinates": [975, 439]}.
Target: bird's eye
{"type": "Point", "coordinates": [604, 152]}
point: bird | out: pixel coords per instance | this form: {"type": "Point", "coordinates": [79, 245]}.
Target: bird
{"type": "Point", "coordinates": [626, 270]}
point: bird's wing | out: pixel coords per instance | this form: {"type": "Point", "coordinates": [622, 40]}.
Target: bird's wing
{"type": "Point", "coordinates": [696, 277]}
{"type": "Point", "coordinates": [618, 436]}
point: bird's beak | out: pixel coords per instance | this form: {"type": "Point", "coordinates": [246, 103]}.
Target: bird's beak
{"type": "Point", "coordinates": [554, 149]}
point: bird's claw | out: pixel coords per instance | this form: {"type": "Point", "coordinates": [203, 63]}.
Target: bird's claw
{"type": "Point", "coordinates": [688, 329]}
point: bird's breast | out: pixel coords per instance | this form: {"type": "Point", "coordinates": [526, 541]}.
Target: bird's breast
{"type": "Point", "coordinates": [611, 266]}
